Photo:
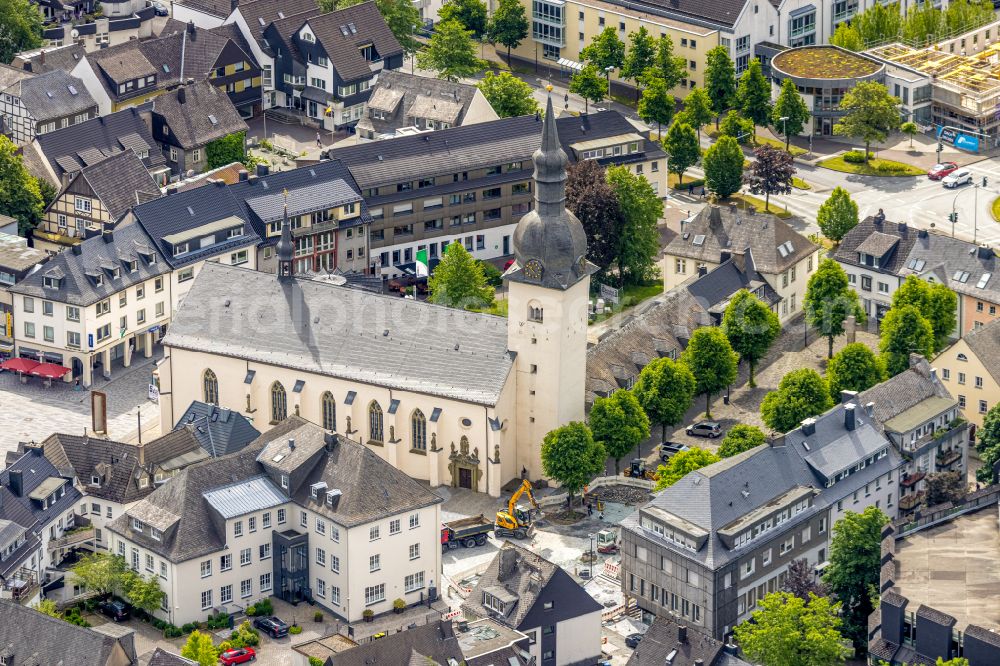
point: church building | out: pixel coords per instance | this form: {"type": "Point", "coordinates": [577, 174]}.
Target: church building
{"type": "Point", "coordinates": [448, 396]}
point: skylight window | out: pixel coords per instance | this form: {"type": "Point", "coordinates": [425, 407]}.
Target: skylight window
{"type": "Point", "coordinates": [166, 68]}
{"type": "Point", "coordinates": [960, 276]}
{"type": "Point", "coordinates": [72, 89]}
{"type": "Point", "coordinates": [278, 458]}
{"type": "Point", "coordinates": [212, 119]}
{"type": "Point", "coordinates": [699, 239]}
{"type": "Point", "coordinates": [983, 280]}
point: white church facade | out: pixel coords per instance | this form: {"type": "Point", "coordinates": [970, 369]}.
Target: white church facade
{"type": "Point", "coordinates": [448, 396]}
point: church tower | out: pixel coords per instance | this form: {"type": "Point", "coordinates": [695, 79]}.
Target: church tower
{"type": "Point", "coordinates": [285, 250]}
{"type": "Point", "coordinates": [548, 298]}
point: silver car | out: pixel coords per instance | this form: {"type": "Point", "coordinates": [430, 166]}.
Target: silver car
{"type": "Point", "coordinates": [957, 177]}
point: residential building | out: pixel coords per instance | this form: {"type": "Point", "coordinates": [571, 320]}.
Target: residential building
{"type": "Point", "coordinates": [97, 25]}
{"type": "Point", "coordinates": [29, 637]}
{"type": "Point", "coordinates": [34, 104]}
{"type": "Point", "coordinates": [970, 368]}
{"type": "Point", "coordinates": [878, 256]}
{"type": "Point", "coordinates": [480, 643]}
{"type": "Point", "coordinates": [94, 199]}
{"type": "Point", "coordinates": [163, 658]}
{"type": "Point", "coordinates": [524, 591]}
{"type": "Point", "coordinates": [714, 289]}
{"type": "Point", "coordinates": [668, 641]}
{"type": "Point", "coordinates": [49, 58]}
{"type": "Point", "coordinates": [188, 118]}
{"type": "Point", "coordinates": [36, 512]}
{"type": "Point", "coordinates": [59, 155]}
{"type": "Point", "coordinates": [402, 104]}
{"type": "Point", "coordinates": [279, 340]}
{"type": "Point", "coordinates": [96, 304]}
{"type": "Point", "coordinates": [937, 582]}
{"type": "Point", "coordinates": [17, 260]}
{"type": "Point", "coordinates": [783, 257]}
{"type": "Point", "coordinates": [924, 423]}
{"type": "Point", "coordinates": [203, 13]}
{"type": "Point", "coordinates": [219, 431]}
{"type": "Point", "coordinates": [135, 72]}
{"type": "Point", "coordinates": [290, 516]}
{"type": "Point", "coordinates": [710, 546]}
{"type": "Point", "coordinates": [472, 184]}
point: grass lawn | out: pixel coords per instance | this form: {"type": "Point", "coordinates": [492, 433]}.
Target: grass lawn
{"type": "Point", "coordinates": [871, 169]}
{"type": "Point", "coordinates": [745, 201]}
{"type": "Point", "coordinates": [688, 180]}
{"type": "Point", "coordinates": [499, 308]}
{"type": "Point", "coordinates": [800, 184]}
{"type": "Point", "coordinates": [774, 143]}
{"type": "Point", "coordinates": [632, 295]}
{"type": "Point", "coordinates": [995, 209]}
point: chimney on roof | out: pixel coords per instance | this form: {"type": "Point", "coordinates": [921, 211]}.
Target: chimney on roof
{"type": "Point", "coordinates": [263, 170]}
{"type": "Point", "coordinates": [181, 95]}
{"type": "Point", "coordinates": [682, 634]}
{"type": "Point", "coordinates": [848, 396]}
{"type": "Point", "coordinates": [508, 563]}
{"type": "Point", "coordinates": [330, 441]}
{"type": "Point", "coordinates": [870, 409]}
{"type": "Point", "coordinates": [291, 444]}
{"type": "Point", "coordinates": [724, 256]}
{"type": "Point", "coordinates": [221, 183]}
{"type": "Point", "coordinates": [699, 662]}
{"type": "Point", "coordinates": [41, 57]}
{"type": "Point", "coordinates": [107, 235]}
{"type": "Point", "coordinates": [16, 482]}
{"type": "Point", "coordinates": [243, 175]}
{"type": "Point", "coordinates": [809, 426]}
{"type": "Point", "coordinates": [901, 226]}
{"type": "Point", "coordinates": [984, 252]}
{"type": "Point", "coordinates": [702, 270]}
{"type": "Point", "coordinates": [172, 190]}
{"type": "Point", "coordinates": [849, 423]}
{"type": "Point", "coordinates": [922, 233]}
{"type": "Point", "coordinates": [933, 374]}
{"type": "Point", "coordinates": [191, 28]}
{"type": "Point", "coordinates": [77, 249]}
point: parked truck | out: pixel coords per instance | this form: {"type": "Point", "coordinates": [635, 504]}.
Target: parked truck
{"type": "Point", "coordinates": [468, 532]}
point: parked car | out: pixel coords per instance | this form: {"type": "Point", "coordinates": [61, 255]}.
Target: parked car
{"type": "Point", "coordinates": [632, 640]}
{"type": "Point", "coordinates": [116, 610]}
{"type": "Point", "coordinates": [237, 656]}
{"type": "Point", "coordinates": [705, 429]}
{"type": "Point", "coordinates": [160, 9]}
{"type": "Point", "coordinates": [939, 171]}
{"type": "Point", "coordinates": [669, 449]}
{"type": "Point", "coordinates": [271, 626]}
{"type": "Point", "coordinates": [956, 178]}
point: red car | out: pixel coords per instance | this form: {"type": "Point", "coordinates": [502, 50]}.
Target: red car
{"type": "Point", "coordinates": [939, 171]}
{"type": "Point", "coordinates": [238, 656]}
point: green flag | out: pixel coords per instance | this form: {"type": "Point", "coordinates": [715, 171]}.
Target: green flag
{"type": "Point", "coordinates": [422, 270]}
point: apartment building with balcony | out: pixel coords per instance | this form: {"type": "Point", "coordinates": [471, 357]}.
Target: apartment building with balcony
{"type": "Point", "coordinates": [472, 184]}
{"type": "Point", "coordinates": [289, 516]}
{"type": "Point", "coordinates": [94, 199]}
{"type": "Point", "coordinates": [713, 544]}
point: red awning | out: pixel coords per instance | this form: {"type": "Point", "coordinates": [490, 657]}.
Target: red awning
{"type": "Point", "coordinates": [19, 364]}
{"type": "Point", "coordinates": [49, 371]}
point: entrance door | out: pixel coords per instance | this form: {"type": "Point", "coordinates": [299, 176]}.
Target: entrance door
{"type": "Point", "coordinates": [77, 367]}
{"type": "Point", "coordinates": [465, 478]}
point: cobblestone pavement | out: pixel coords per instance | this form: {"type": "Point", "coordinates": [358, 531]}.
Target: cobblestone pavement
{"type": "Point", "coordinates": [32, 411]}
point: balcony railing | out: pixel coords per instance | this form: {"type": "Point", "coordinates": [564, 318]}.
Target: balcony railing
{"type": "Point", "coordinates": [21, 586]}
{"type": "Point", "coordinates": [935, 437]}
{"type": "Point", "coordinates": [73, 538]}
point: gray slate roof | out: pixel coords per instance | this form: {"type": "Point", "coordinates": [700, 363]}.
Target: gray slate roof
{"type": "Point", "coordinates": [894, 260]}
{"type": "Point", "coordinates": [10, 76]}
{"type": "Point", "coordinates": [947, 257]}
{"type": "Point", "coordinates": [985, 344]}
{"type": "Point", "coordinates": [261, 13]}
{"type": "Point", "coordinates": [16, 256]}
{"type": "Point", "coordinates": [717, 229]}
{"type": "Point", "coordinates": [907, 389]}
{"type": "Point", "coordinates": [344, 50]}
{"type": "Point", "coordinates": [206, 114]}
{"type": "Point", "coordinates": [219, 8]}
{"type": "Point", "coordinates": [120, 182]}
{"type": "Point", "coordinates": [163, 658]}
{"type": "Point", "coordinates": [53, 95]}
{"type": "Point", "coordinates": [35, 639]}
{"type": "Point", "coordinates": [347, 333]}
{"type": "Point", "coordinates": [715, 289]}
{"type": "Point", "coordinates": [35, 471]}
{"type": "Point", "coordinates": [663, 638]}
{"type": "Point", "coordinates": [722, 13]}
{"type": "Point", "coordinates": [402, 95]}
{"type": "Point", "coordinates": [55, 57]}
{"type": "Point", "coordinates": [219, 431]}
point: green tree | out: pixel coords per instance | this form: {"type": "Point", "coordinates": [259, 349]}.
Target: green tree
{"type": "Point", "coordinates": [837, 215]}
{"type": "Point", "coordinates": [640, 57]}
{"type": "Point", "coordinates": [751, 327]}
{"type": "Point", "coordinates": [459, 281]}
{"type": "Point", "coordinates": [945, 487]}
{"type": "Point", "coordinates": [988, 446]}
{"type": "Point", "coordinates": [801, 393]}
{"type": "Point", "coordinates": [48, 607]}
{"type": "Point", "coordinates": [964, 15]}
{"type": "Point", "coordinates": [605, 52]}
{"type": "Point", "coordinates": [403, 19]}
{"type": "Point", "coordinates": [720, 80]}
{"type": "Point", "coordinates": [879, 24]}
{"type": "Point", "coordinates": [595, 204]}
{"type": "Point", "coordinates": [788, 631]}
{"type": "Point", "coordinates": [830, 300]}
{"type": "Point", "coordinates": [642, 208]}
{"type": "Point", "coordinates": [333, 5]}
{"type": "Point", "coordinates": [681, 144]}
{"type": "Point", "coordinates": [924, 24]}
{"type": "Point", "coordinates": [225, 150]}
{"type": "Point", "coordinates": [665, 389]}
{"type": "Point", "coordinates": [143, 593]}
{"type": "Point", "coordinates": [451, 52]}
{"type": "Point", "coordinates": [871, 113]}
{"type": "Point", "coordinates": [792, 108]}
{"type": "Point", "coordinates": [910, 129]}
{"type": "Point", "coordinates": [753, 95]}
{"type": "Point", "coordinates": [741, 437]}
{"type": "Point", "coordinates": [101, 572]}
{"type": "Point", "coordinates": [656, 105]}
{"type": "Point", "coordinates": [723, 164]}
{"type": "Point", "coordinates": [712, 362]}
{"type": "Point", "coordinates": [20, 196]}
{"type": "Point", "coordinates": [619, 423]}
{"type": "Point", "coordinates": [737, 127]}
{"type": "Point", "coordinates": [667, 66]}
{"type": "Point", "coordinates": [572, 457]}
{"type": "Point", "coordinates": [508, 25]}
{"type": "Point", "coordinates": [589, 84]}
{"type": "Point", "coordinates": [678, 466]}
{"type": "Point", "coordinates": [846, 36]}
{"type": "Point", "coordinates": [199, 648]}
{"type": "Point", "coordinates": [771, 173]}
{"type": "Point", "coordinates": [936, 303]}
{"type": "Point", "coordinates": [904, 331]}
{"type": "Point", "coordinates": [471, 14]}
{"type": "Point", "coordinates": [698, 109]}
{"type": "Point", "coordinates": [853, 572]}
{"type": "Point", "coordinates": [854, 368]}
{"type": "Point", "coordinates": [20, 28]}
{"type": "Point", "coordinates": [507, 94]}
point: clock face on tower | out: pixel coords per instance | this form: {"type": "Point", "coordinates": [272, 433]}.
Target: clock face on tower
{"type": "Point", "coordinates": [533, 269]}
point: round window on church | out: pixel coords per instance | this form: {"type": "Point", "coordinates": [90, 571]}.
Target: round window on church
{"type": "Point", "coordinates": [466, 423]}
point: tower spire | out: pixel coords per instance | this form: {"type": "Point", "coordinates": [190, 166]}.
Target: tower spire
{"type": "Point", "coordinates": [550, 167]}
{"type": "Point", "coordinates": [286, 247]}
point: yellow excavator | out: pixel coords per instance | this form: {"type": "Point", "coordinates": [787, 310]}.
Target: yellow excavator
{"type": "Point", "coordinates": [517, 520]}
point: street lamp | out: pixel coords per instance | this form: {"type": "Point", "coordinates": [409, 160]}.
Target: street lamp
{"type": "Point", "coordinates": [607, 75]}
{"type": "Point", "coordinates": [784, 130]}
{"type": "Point", "coordinates": [592, 560]}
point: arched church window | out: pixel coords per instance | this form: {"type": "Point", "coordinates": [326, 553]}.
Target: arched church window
{"type": "Point", "coordinates": [375, 430]}
{"type": "Point", "coordinates": [279, 403]}
{"type": "Point", "coordinates": [211, 387]}
{"type": "Point", "coordinates": [329, 411]}
{"type": "Point", "coordinates": [418, 430]}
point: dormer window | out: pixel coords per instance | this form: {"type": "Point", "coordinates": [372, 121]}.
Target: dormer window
{"type": "Point", "coordinates": [143, 481]}
{"type": "Point", "coordinates": [133, 266]}
{"type": "Point", "coordinates": [494, 603]}
{"type": "Point", "coordinates": [284, 481]}
{"type": "Point", "coordinates": [50, 282]}
{"type": "Point", "coordinates": [235, 232]}
{"type": "Point", "coordinates": [95, 480]}
{"type": "Point", "coordinates": [181, 248]}
{"type": "Point", "coordinates": [136, 524]}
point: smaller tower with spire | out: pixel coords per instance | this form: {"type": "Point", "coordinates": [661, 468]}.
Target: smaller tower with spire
{"type": "Point", "coordinates": [286, 246]}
